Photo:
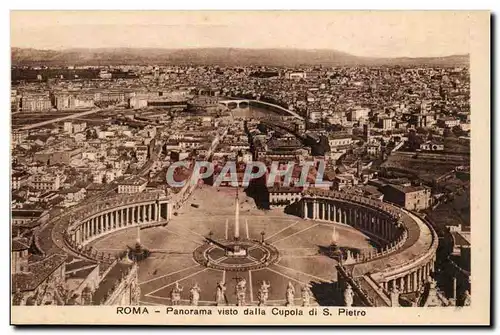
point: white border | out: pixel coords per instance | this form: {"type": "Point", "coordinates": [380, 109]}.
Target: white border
{"type": "Point", "coordinates": [186, 4]}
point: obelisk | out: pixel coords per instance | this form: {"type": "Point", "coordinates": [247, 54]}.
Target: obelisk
{"type": "Point", "coordinates": [237, 218]}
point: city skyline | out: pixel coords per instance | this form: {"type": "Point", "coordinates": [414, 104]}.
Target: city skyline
{"type": "Point", "coordinates": [392, 34]}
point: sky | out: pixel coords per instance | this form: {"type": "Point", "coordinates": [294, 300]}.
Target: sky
{"type": "Point", "coordinates": [371, 34]}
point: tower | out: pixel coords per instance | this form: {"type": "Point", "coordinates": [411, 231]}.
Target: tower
{"type": "Point", "coordinates": [359, 168]}
{"type": "Point", "coordinates": [366, 132]}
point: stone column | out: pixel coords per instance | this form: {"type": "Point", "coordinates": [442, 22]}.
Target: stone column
{"type": "Point", "coordinates": [304, 209]}
{"type": "Point", "coordinates": [403, 284]}
{"type": "Point", "coordinates": [105, 218]}
{"type": "Point", "coordinates": [149, 213]}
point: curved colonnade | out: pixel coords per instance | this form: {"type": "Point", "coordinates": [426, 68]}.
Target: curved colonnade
{"type": "Point", "coordinates": [93, 221]}
{"type": "Point", "coordinates": [407, 244]}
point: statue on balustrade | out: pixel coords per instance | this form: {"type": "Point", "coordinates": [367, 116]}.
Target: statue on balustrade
{"type": "Point", "coordinates": [194, 295]}
{"type": "Point", "coordinates": [306, 296]}
{"type": "Point", "coordinates": [394, 295]}
{"type": "Point", "coordinates": [175, 294]}
{"type": "Point", "coordinates": [348, 296]}
{"type": "Point", "coordinates": [263, 293]}
{"type": "Point", "coordinates": [241, 289]}
{"type": "Point", "coordinates": [290, 294]}
{"type": "Point", "coordinates": [220, 295]}
{"type": "Point", "coordinates": [86, 296]}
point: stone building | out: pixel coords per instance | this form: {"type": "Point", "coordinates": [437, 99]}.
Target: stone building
{"type": "Point", "coordinates": [39, 282]}
{"type": "Point", "coordinates": [132, 185]}
{"type": "Point", "coordinates": [409, 197]}
{"type": "Point", "coordinates": [284, 196]}
{"type": "Point", "coordinates": [38, 102]}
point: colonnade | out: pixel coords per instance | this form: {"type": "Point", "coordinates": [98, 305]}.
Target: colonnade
{"type": "Point", "coordinates": [360, 217]}
{"type": "Point", "coordinates": [121, 217]}
{"type": "Point", "coordinates": [379, 222]}
{"type": "Point", "coordinates": [410, 281]}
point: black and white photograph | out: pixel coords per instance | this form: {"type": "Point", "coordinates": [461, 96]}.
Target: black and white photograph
{"type": "Point", "coordinates": [274, 164]}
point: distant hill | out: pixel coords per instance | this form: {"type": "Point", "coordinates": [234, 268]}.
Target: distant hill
{"type": "Point", "coordinates": [215, 56]}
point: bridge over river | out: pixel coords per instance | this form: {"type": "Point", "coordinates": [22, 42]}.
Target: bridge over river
{"type": "Point", "coordinates": [233, 103]}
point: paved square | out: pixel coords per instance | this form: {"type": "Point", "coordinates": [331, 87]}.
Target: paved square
{"type": "Point", "coordinates": [298, 242]}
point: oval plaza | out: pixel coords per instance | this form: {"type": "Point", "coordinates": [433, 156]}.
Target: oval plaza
{"type": "Point", "coordinates": [400, 261]}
